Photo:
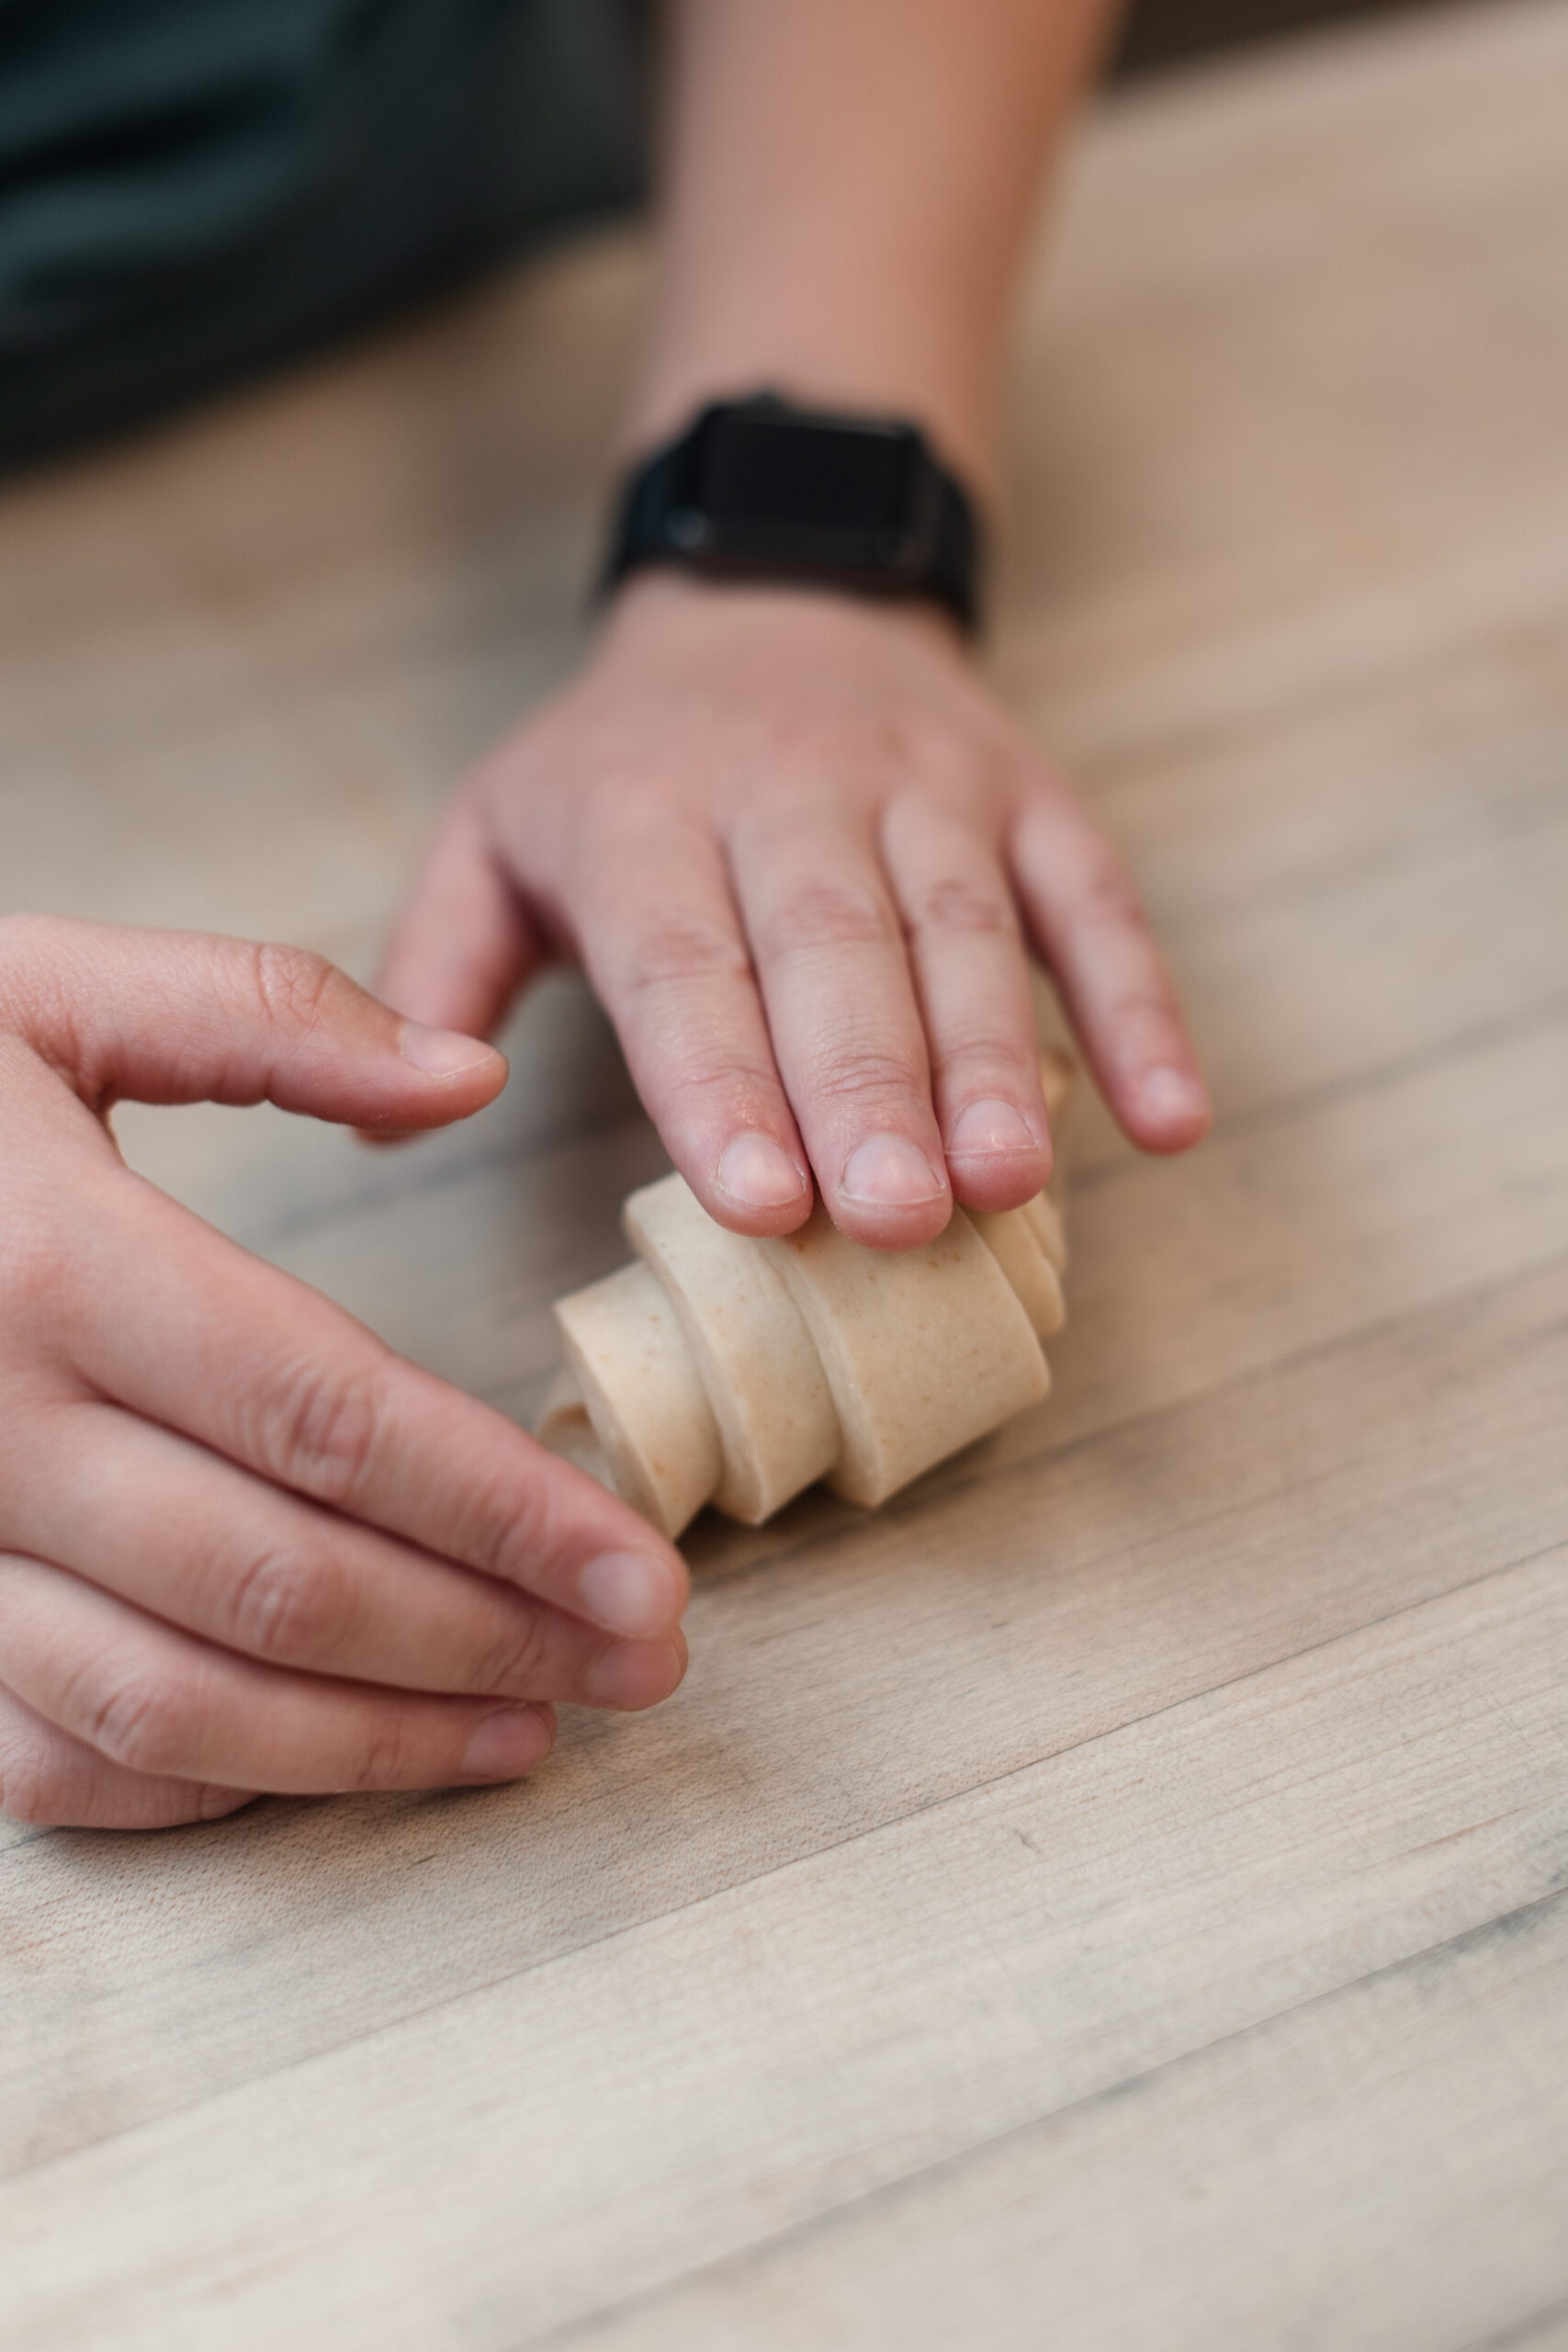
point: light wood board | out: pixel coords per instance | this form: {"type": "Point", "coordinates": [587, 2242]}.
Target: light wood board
{"type": "Point", "coordinates": [1117, 1896]}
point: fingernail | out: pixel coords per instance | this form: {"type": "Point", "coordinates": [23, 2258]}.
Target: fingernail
{"type": "Point", "coordinates": [1168, 1095]}
{"type": "Point", "coordinates": [507, 1745]}
{"type": "Point", "coordinates": [626, 1593]}
{"type": "Point", "coordinates": [981, 1128]}
{"type": "Point", "coordinates": [890, 1171]}
{"type": "Point", "coordinates": [441, 1053]}
{"type": "Point", "coordinates": [633, 1674]}
{"type": "Point", "coordinates": [757, 1173]}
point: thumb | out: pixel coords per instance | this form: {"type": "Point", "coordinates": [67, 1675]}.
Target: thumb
{"type": "Point", "coordinates": [170, 1016]}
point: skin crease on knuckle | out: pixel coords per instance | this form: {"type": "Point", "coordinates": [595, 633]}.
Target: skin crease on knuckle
{"type": "Point", "coordinates": [290, 984]}
{"type": "Point", "coordinates": [708, 1101]}
{"type": "Point", "coordinates": [513, 1664]}
{"type": "Point", "coordinates": [35, 1265]}
{"type": "Point", "coordinates": [1108, 902]}
{"type": "Point", "coordinates": [143, 1722]}
{"type": "Point", "coordinates": [32, 1791]}
{"type": "Point", "coordinates": [959, 907]}
{"type": "Point", "coordinates": [846, 1076]}
{"type": "Point", "coordinates": [517, 1526]}
{"type": "Point", "coordinates": [48, 1788]}
{"type": "Point", "coordinates": [289, 1607]}
{"type": "Point", "coordinates": [49, 1784]}
{"type": "Point", "coordinates": [821, 917]}
{"type": "Point", "coordinates": [316, 1429]}
{"type": "Point", "coordinates": [676, 950]}
{"type": "Point", "coordinates": [46, 1793]}
{"type": "Point", "coordinates": [386, 1758]}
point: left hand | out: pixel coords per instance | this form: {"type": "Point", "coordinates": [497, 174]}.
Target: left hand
{"type": "Point", "coordinates": [800, 848]}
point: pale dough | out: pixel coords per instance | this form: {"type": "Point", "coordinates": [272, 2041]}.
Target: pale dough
{"type": "Point", "coordinates": [717, 1369]}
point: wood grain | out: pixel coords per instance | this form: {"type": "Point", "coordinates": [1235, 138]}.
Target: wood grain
{"type": "Point", "coordinates": [1138, 1573]}
{"type": "Point", "coordinates": [1113, 1896]}
{"type": "Point", "coordinates": [1168, 2212]}
{"type": "Point", "coordinates": [741, 2064]}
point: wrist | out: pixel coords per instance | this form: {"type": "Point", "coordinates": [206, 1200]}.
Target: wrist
{"type": "Point", "coordinates": [661, 617]}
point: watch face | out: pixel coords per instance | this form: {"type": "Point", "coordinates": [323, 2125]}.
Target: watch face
{"type": "Point", "coordinates": [775, 486]}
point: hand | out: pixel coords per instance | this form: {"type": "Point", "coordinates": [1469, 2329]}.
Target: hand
{"type": "Point", "coordinates": [243, 1547]}
{"type": "Point", "coordinates": [799, 848]}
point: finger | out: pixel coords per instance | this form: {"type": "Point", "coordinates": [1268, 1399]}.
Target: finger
{"type": "Point", "coordinates": [463, 944]}
{"type": "Point", "coordinates": [57, 1783]}
{"type": "Point", "coordinates": [312, 1401]}
{"type": "Point", "coordinates": [841, 1005]}
{"type": "Point", "coordinates": [662, 944]}
{"type": "Point", "coordinates": [973, 982]}
{"type": "Point", "coordinates": [165, 1016]}
{"type": "Point", "coordinates": [1094, 933]}
{"type": "Point", "coordinates": [177, 1531]}
{"type": "Point", "coordinates": [160, 1702]}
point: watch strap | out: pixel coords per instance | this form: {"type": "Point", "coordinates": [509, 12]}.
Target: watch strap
{"type": "Point", "coordinates": [659, 523]}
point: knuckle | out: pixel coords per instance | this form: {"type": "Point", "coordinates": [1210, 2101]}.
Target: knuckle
{"type": "Point", "coordinates": [814, 915]}
{"type": "Point", "coordinates": [289, 1606]}
{"type": "Point", "coordinates": [708, 1082]}
{"type": "Point", "coordinates": [143, 1723]}
{"type": "Point", "coordinates": [958, 906]}
{"type": "Point", "coordinates": [623, 782]}
{"type": "Point", "coordinates": [34, 1791]}
{"type": "Point", "coordinates": [35, 1265]}
{"type": "Point", "coordinates": [513, 1661]}
{"type": "Point", "coordinates": [513, 1531]}
{"type": "Point", "coordinates": [860, 1074]}
{"type": "Point", "coordinates": [321, 1432]}
{"type": "Point", "coordinates": [385, 1757]}
{"type": "Point", "coordinates": [289, 984]}
{"type": "Point", "coordinates": [685, 948]}
{"type": "Point", "coordinates": [1108, 899]}
{"type": "Point", "coordinates": [863, 754]}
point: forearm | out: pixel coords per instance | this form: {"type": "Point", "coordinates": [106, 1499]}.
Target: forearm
{"type": "Point", "coordinates": [846, 187]}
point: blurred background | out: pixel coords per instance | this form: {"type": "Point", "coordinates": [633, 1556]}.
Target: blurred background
{"type": "Point", "coordinates": [228, 205]}
{"type": "Point", "coordinates": [1159, 32]}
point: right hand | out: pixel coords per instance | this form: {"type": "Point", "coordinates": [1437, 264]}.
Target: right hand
{"type": "Point", "coordinates": [243, 1548]}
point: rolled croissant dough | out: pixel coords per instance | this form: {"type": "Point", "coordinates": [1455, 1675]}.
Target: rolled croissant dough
{"type": "Point", "coordinates": [738, 1372]}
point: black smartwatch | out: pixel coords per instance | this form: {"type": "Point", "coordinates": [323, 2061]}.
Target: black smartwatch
{"type": "Point", "coordinates": [761, 489]}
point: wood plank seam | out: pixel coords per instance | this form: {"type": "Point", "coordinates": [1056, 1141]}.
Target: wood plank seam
{"type": "Point", "coordinates": [957, 1482]}
{"type": "Point", "coordinates": [1126, 775]}
{"type": "Point", "coordinates": [1553, 1907]}
{"type": "Point", "coordinates": [1522, 2337]}
{"type": "Point", "coordinates": [1323, 1380]}
{"type": "Point", "coordinates": [949, 1481]}
{"type": "Point", "coordinates": [478, 1987]}
{"type": "Point", "coordinates": [452, 1173]}
{"type": "Point", "coordinates": [1334, 649]}
{"type": "Point", "coordinates": [1259, 1117]}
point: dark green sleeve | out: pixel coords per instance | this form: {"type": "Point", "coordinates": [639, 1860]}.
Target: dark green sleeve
{"type": "Point", "coordinates": [189, 189]}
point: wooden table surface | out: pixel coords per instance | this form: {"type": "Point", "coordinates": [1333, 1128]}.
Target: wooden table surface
{"type": "Point", "coordinates": [1114, 1897]}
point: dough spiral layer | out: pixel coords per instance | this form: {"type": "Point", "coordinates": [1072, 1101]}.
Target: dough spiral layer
{"type": "Point", "coordinates": [738, 1372]}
